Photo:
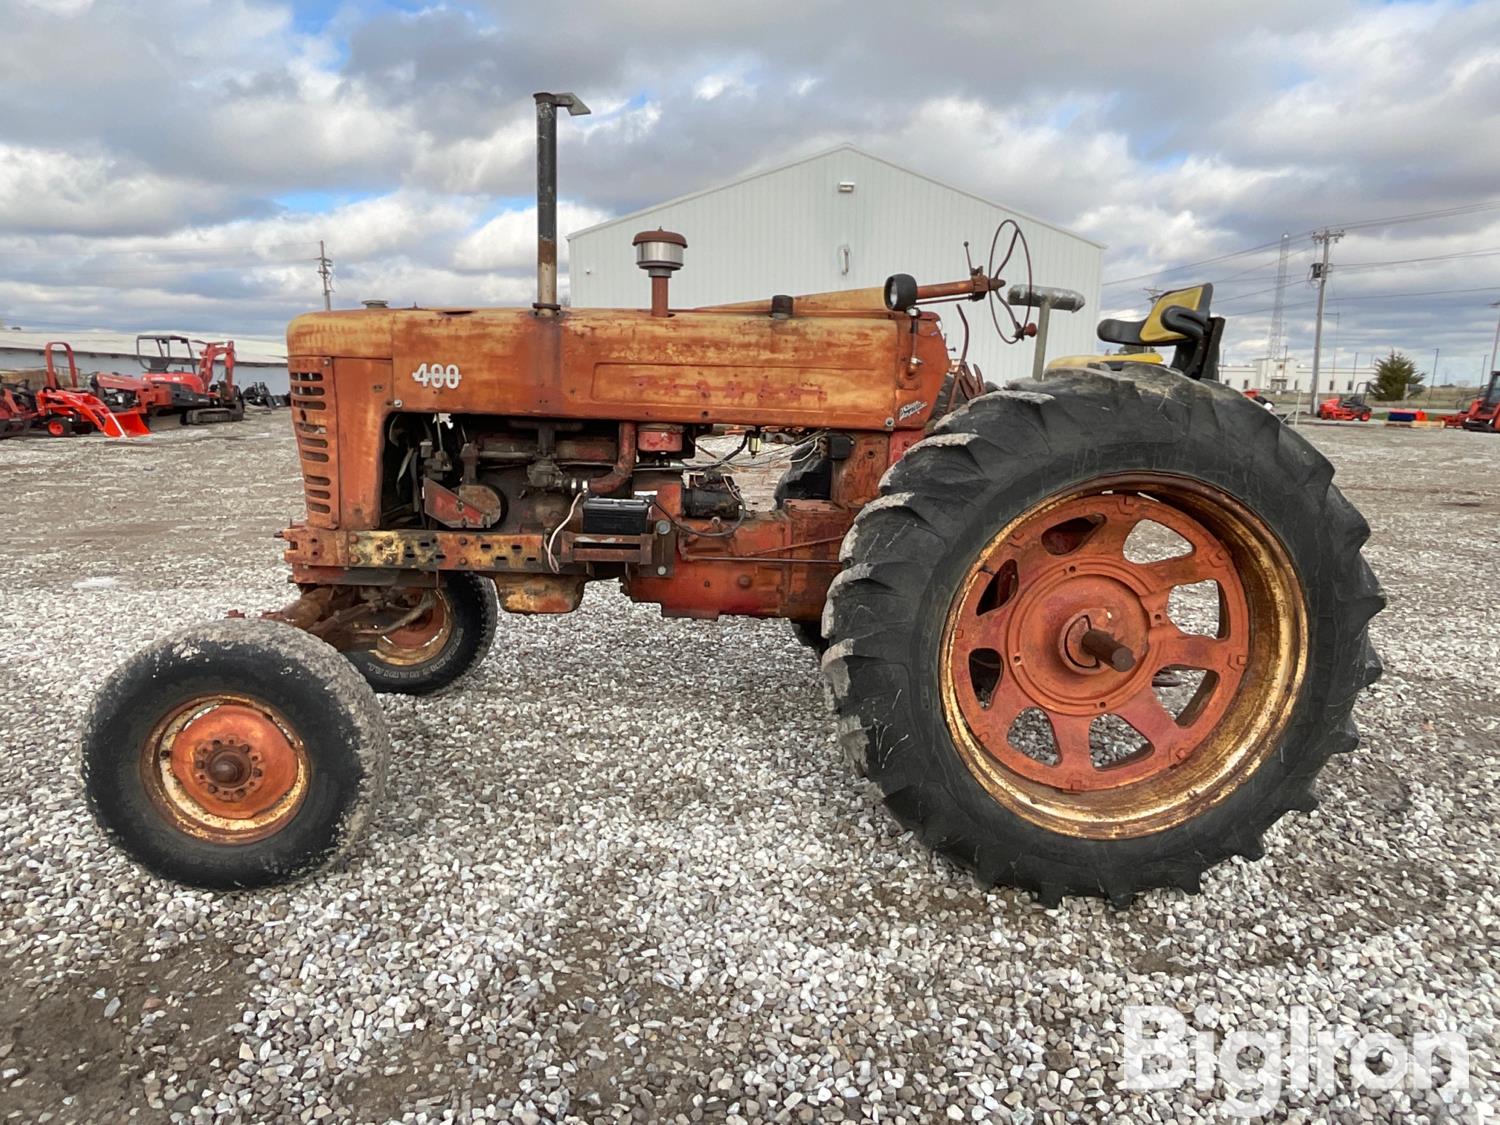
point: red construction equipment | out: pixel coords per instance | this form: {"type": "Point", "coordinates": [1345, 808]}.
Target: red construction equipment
{"type": "Point", "coordinates": [1483, 413]}
{"type": "Point", "coordinates": [1346, 408]}
{"type": "Point", "coordinates": [17, 409]}
{"type": "Point", "coordinates": [178, 381]}
{"type": "Point", "coordinates": [67, 410]}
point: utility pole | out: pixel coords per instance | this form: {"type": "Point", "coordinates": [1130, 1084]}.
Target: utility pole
{"type": "Point", "coordinates": [1320, 275]}
{"type": "Point", "coordinates": [1435, 353]}
{"type": "Point", "coordinates": [1494, 347]}
{"type": "Point", "coordinates": [325, 271]}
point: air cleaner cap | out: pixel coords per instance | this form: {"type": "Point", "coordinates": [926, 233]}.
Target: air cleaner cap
{"type": "Point", "coordinates": [659, 250]}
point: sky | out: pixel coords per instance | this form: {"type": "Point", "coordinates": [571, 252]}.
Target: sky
{"type": "Point", "coordinates": [174, 163]}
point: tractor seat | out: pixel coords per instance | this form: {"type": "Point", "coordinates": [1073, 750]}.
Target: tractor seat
{"type": "Point", "coordinates": [1177, 317]}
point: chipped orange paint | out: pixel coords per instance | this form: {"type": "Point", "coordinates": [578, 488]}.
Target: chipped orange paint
{"type": "Point", "coordinates": [840, 362]}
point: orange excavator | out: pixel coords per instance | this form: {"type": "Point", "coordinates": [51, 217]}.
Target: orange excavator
{"type": "Point", "coordinates": [177, 380]}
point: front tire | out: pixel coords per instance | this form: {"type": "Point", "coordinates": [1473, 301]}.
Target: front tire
{"type": "Point", "coordinates": [440, 645]}
{"type": "Point", "coordinates": [999, 543]}
{"type": "Point", "coordinates": [237, 754]}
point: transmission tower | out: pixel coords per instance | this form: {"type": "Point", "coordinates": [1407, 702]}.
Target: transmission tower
{"type": "Point", "coordinates": [325, 271]}
{"type": "Point", "coordinates": [1276, 341]}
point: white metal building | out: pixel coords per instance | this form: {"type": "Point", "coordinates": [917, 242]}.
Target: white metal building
{"type": "Point", "coordinates": [1293, 376]}
{"type": "Point", "coordinates": [840, 219]}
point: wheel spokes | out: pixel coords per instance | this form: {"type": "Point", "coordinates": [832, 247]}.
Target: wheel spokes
{"type": "Point", "coordinates": [992, 719]}
{"type": "Point", "coordinates": [1075, 765]}
{"type": "Point", "coordinates": [1180, 570]}
{"type": "Point", "coordinates": [1152, 721]}
{"type": "Point", "coordinates": [1028, 651]}
{"type": "Point", "coordinates": [1119, 520]}
{"type": "Point", "coordinates": [1172, 648]}
{"type": "Point", "coordinates": [982, 631]}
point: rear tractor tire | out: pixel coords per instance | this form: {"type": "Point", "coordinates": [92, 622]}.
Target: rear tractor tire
{"type": "Point", "coordinates": [237, 754]}
{"type": "Point", "coordinates": [440, 645]}
{"type": "Point", "coordinates": [997, 649]}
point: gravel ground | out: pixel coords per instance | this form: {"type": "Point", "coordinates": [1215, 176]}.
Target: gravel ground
{"type": "Point", "coordinates": [624, 874]}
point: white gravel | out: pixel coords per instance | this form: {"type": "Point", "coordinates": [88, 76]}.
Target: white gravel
{"type": "Point", "coordinates": [623, 874]}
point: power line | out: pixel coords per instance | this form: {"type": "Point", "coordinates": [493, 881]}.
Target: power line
{"type": "Point", "coordinates": [1345, 267]}
{"type": "Point", "coordinates": [1250, 272]}
{"type": "Point", "coordinates": [1457, 255]}
{"type": "Point", "coordinates": [1422, 216]}
{"type": "Point", "coordinates": [1417, 293]}
{"type": "Point", "coordinates": [1364, 224]}
{"type": "Point", "coordinates": [1375, 297]}
{"type": "Point", "coordinates": [1191, 265]}
{"type": "Point", "coordinates": [1280, 286]}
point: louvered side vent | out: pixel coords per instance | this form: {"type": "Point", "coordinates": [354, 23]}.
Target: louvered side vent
{"type": "Point", "coordinates": [315, 422]}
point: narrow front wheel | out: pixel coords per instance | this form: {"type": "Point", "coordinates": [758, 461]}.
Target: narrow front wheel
{"type": "Point", "coordinates": [235, 755]}
{"type": "Point", "coordinates": [447, 631]}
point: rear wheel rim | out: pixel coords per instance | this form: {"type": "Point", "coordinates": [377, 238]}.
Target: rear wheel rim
{"type": "Point", "coordinates": [421, 639]}
{"type": "Point", "coordinates": [1014, 644]}
{"type": "Point", "coordinates": [226, 768]}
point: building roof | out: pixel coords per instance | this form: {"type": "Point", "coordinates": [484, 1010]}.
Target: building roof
{"type": "Point", "coordinates": [748, 177]}
{"type": "Point", "coordinates": [254, 351]}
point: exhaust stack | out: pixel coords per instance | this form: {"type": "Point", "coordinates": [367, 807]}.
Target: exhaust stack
{"type": "Point", "coordinates": [547, 106]}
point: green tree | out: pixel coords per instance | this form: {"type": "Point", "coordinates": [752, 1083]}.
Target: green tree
{"type": "Point", "coordinates": [1396, 378]}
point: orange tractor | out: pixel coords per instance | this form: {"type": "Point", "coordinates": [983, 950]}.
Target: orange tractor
{"type": "Point", "coordinates": [1089, 634]}
{"type": "Point", "coordinates": [17, 409]}
{"type": "Point", "coordinates": [62, 410]}
{"type": "Point", "coordinates": [1483, 413]}
{"type": "Point", "coordinates": [176, 380]}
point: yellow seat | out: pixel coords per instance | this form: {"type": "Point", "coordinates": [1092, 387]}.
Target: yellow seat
{"type": "Point", "coordinates": [1179, 317]}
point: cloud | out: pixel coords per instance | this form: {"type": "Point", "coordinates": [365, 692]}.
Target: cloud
{"type": "Point", "coordinates": [508, 241]}
{"type": "Point", "coordinates": [61, 192]}
{"type": "Point", "coordinates": [143, 147]}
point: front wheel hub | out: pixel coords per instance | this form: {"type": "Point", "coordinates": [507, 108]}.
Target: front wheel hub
{"type": "Point", "coordinates": [226, 769]}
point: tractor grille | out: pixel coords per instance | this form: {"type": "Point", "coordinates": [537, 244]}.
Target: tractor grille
{"type": "Point", "coordinates": [315, 422]}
